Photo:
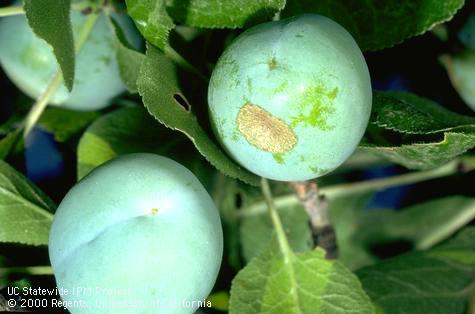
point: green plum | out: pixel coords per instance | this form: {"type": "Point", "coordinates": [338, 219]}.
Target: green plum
{"type": "Point", "coordinates": [30, 63]}
{"type": "Point", "coordinates": [139, 234]}
{"type": "Point", "coordinates": [290, 100]}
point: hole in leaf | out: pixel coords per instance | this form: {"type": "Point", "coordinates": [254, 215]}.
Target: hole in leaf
{"type": "Point", "coordinates": [238, 200]}
{"type": "Point", "coordinates": [182, 102]}
{"type": "Point", "coordinates": [86, 11]}
{"type": "Point", "coordinates": [391, 248]}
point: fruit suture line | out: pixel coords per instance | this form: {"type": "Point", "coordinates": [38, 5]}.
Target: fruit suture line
{"type": "Point", "coordinates": [179, 263]}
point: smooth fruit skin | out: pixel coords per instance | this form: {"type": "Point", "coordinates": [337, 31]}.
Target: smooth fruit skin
{"type": "Point", "coordinates": [291, 99]}
{"type": "Point", "coordinates": [30, 63]}
{"type": "Point", "coordinates": [143, 227]}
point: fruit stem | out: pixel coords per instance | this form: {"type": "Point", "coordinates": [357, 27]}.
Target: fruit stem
{"type": "Point", "coordinates": [278, 227]}
{"type": "Point", "coordinates": [11, 10]}
{"type": "Point", "coordinates": [453, 167]}
{"type": "Point", "coordinates": [41, 103]}
{"type": "Point", "coordinates": [179, 60]}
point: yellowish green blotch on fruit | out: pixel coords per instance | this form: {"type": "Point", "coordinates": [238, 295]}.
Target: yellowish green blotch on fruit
{"type": "Point", "coordinates": [295, 96]}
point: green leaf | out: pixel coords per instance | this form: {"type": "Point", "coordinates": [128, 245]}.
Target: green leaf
{"type": "Point", "coordinates": [65, 123]}
{"type": "Point", "coordinates": [420, 133]}
{"type": "Point", "coordinates": [9, 142]}
{"type": "Point", "coordinates": [346, 213]}
{"type": "Point", "coordinates": [219, 300]}
{"type": "Point", "coordinates": [44, 17]}
{"type": "Point", "coordinates": [129, 60]}
{"type": "Point", "coordinates": [461, 71]}
{"type": "Point", "coordinates": [25, 211]}
{"type": "Point", "coordinates": [256, 231]}
{"type": "Point", "coordinates": [226, 193]}
{"type": "Point", "coordinates": [435, 281]}
{"type": "Point", "coordinates": [463, 240]}
{"type": "Point", "coordinates": [223, 13]}
{"type": "Point", "coordinates": [360, 160]}
{"type": "Point", "coordinates": [379, 24]}
{"type": "Point", "coordinates": [151, 19]}
{"type": "Point", "coordinates": [424, 224]}
{"type": "Point", "coordinates": [299, 283]}
{"type": "Point", "coordinates": [133, 130]}
{"type": "Point", "coordinates": [407, 113]}
{"type": "Point", "coordinates": [426, 155]}
{"type": "Point", "coordinates": [127, 130]}
{"type": "Point", "coordinates": [236, 202]}
{"type": "Point", "coordinates": [158, 86]}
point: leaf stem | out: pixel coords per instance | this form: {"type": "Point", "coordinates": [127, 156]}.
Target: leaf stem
{"type": "Point", "coordinates": [41, 103]}
{"type": "Point", "coordinates": [85, 31]}
{"type": "Point", "coordinates": [11, 10]}
{"type": "Point", "coordinates": [279, 228]}
{"type": "Point", "coordinates": [445, 230]}
{"type": "Point", "coordinates": [179, 60]}
{"type": "Point", "coordinates": [30, 270]}
{"type": "Point", "coordinates": [367, 186]}
{"type": "Point", "coordinates": [384, 183]}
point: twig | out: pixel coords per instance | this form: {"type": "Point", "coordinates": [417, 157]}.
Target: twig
{"type": "Point", "coordinates": [316, 207]}
{"type": "Point", "coordinates": [463, 164]}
